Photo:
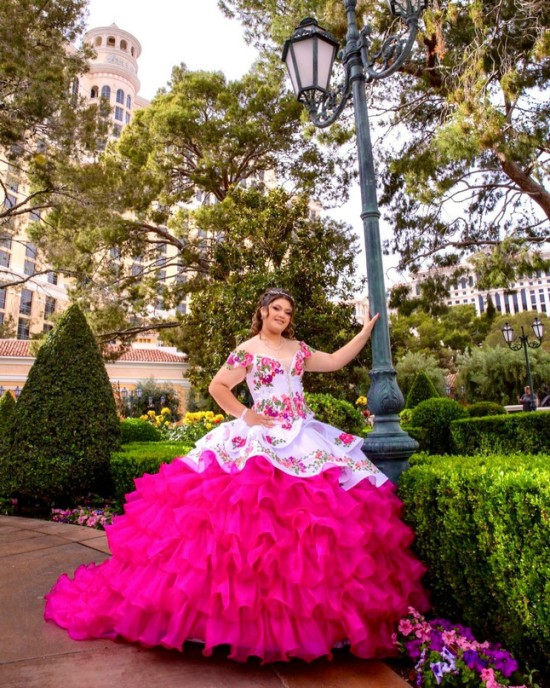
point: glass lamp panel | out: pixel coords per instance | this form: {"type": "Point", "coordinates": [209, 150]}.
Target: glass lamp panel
{"type": "Point", "coordinates": [508, 333]}
{"type": "Point", "coordinates": [538, 328]}
{"type": "Point", "coordinates": [326, 52]}
{"type": "Point", "coordinates": [303, 53]}
{"type": "Point", "coordinates": [291, 71]}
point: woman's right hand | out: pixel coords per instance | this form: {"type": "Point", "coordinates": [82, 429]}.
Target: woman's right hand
{"type": "Point", "coordinates": [252, 418]}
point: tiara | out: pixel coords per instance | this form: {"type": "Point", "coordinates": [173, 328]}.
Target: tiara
{"type": "Point", "coordinates": [277, 291]}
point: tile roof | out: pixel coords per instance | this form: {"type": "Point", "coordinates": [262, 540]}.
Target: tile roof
{"type": "Point", "coordinates": [19, 348]}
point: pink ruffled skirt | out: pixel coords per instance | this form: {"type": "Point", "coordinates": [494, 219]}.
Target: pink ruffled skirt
{"type": "Point", "coordinates": [271, 565]}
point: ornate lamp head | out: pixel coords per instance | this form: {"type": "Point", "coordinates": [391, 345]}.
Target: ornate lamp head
{"type": "Point", "coordinates": [508, 333]}
{"type": "Point", "coordinates": [407, 8]}
{"type": "Point", "coordinates": [538, 329]}
{"type": "Point", "coordinates": [309, 54]}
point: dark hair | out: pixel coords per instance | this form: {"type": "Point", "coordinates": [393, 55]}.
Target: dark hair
{"type": "Point", "coordinates": [265, 299]}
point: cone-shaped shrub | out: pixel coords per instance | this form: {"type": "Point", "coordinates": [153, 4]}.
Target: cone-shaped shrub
{"type": "Point", "coordinates": [7, 407]}
{"type": "Point", "coordinates": [422, 389]}
{"type": "Point", "coordinates": [65, 424]}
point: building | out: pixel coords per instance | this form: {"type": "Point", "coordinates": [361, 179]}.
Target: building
{"type": "Point", "coordinates": [527, 294]}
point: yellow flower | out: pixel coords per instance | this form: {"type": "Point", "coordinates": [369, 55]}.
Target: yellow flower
{"type": "Point", "coordinates": [361, 401]}
{"type": "Point", "coordinates": [165, 411]}
{"type": "Point", "coordinates": [151, 414]}
{"type": "Point", "coordinates": [144, 417]}
{"type": "Point", "coordinates": [208, 426]}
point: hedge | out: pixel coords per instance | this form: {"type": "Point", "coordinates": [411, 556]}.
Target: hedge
{"type": "Point", "coordinates": [422, 389]}
{"type": "Point", "coordinates": [517, 432]}
{"type": "Point", "coordinates": [485, 408]}
{"type": "Point", "coordinates": [435, 416]}
{"type": "Point", "coordinates": [135, 459]}
{"type": "Point", "coordinates": [137, 430]}
{"type": "Point", "coordinates": [483, 530]}
{"type": "Point", "coordinates": [336, 412]}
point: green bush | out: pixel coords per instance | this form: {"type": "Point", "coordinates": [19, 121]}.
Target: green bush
{"type": "Point", "coordinates": [435, 416]}
{"type": "Point", "coordinates": [482, 529]}
{"type": "Point", "coordinates": [133, 460]}
{"type": "Point", "coordinates": [7, 407]}
{"type": "Point", "coordinates": [422, 389]}
{"type": "Point", "coordinates": [137, 430]}
{"type": "Point", "coordinates": [337, 412]}
{"type": "Point", "coordinates": [516, 432]}
{"type": "Point", "coordinates": [64, 425]}
{"type": "Point", "coordinates": [485, 408]}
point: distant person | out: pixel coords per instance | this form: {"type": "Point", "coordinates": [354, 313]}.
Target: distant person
{"type": "Point", "coordinates": [525, 398]}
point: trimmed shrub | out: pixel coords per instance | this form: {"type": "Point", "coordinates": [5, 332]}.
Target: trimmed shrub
{"type": "Point", "coordinates": [137, 430]}
{"type": "Point", "coordinates": [7, 407]}
{"type": "Point", "coordinates": [485, 408]}
{"type": "Point", "coordinates": [422, 389]}
{"type": "Point", "coordinates": [516, 432]}
{"type": "Point", "coordinates": [435, 416]}
{"type": "Point", "coordinates": [482, 529]}
{"type": "Point", "coordinates": [64, 425]}
{"type": "Point", "coordinates": [337, 412]}
{"type": "Point", "coordinates": [133, 460]}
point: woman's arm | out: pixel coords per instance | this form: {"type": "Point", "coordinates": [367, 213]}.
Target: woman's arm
{"type": "Point", "coordinates": [320, 362]}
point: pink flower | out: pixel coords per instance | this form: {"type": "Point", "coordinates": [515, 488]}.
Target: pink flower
{"type": "Point", "coordinates": [238, 441]}
{"type": "Point", "coordinates": [346, 438]}
{"type": "Point", "coordinates": [304, 348]}
{"type": "Point", "coordinates": [405, 627]}
{"type": "Point", "coordinates": [269, 439]}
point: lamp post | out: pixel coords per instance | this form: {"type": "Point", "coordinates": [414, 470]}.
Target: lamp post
{"type": "Point", "coordinates": [522, 342]}
{"type": "Point", "coordinates": [309, 55]}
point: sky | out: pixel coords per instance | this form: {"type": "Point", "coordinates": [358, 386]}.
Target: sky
{"type": "Point", "coordinates": [197, 33]}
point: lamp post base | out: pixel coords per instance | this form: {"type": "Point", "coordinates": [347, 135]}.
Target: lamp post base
{"type": "Point", "coordinates": [389, 447]}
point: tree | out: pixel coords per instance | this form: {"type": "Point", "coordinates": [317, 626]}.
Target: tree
{"type": "Point", "coordinates": [498, 374]}
{"type": "Point", "coordinates": [412, 364]}
{"type": "Point", "coordinates": [472, 171]}
{"type": "Point", "coordinates": [64, 425]}
{"type": "Point", "coordinates": [135, 241]}
{"type": "Point", "coordinates": [422, 388]}
{"type": "Point", "coordinates": [7, 407]}
{"type": "Point", "coordinates": [43, 121]}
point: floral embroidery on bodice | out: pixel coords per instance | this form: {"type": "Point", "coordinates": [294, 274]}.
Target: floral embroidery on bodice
{"type": "Point", "coordinates": [275, 387]}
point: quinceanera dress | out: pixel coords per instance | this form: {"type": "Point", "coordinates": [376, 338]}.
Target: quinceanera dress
{"type": "Point", "coordinates": [277, 542]}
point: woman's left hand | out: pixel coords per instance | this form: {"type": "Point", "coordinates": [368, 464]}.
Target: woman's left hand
{"type": "Point", "coordinates": [369, 323]}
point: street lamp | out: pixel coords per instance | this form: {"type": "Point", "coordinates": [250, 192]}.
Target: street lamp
{"type": "Point", "coordinates": [309, 55]}
{"type": "Point", "coordinates": [522, 342]}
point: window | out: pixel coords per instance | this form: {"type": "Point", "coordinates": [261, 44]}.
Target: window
{"type": "Point", "coordinates": [10, 201]}
{"type": "Point", "coordinates": [106, 92]}
{"type": "Point", "coordinates": [30, 251]}
{"type": "Point", "coordinates": [119, 114]}
{"type": "Point", "coordinates": [111, 41]}
{"type": "Point", "coordinates": [132, 50]}
{"type": "Point", "coordinates": [123, 45]}
{"type": "Point", "coordinates": [128, 117]}
{"type": "Point", "coordinates": [1, 318]}
{"type": "Point", "coordinates": [129, 101]}
{"type": "Point", "coordinates": [114, 252]}
{"type": "Point", "coordinates": [117, 131]}
{"type": "Point", "coordinates": [52, 277]}
{"type": "Point", "coordinates": [5, 242]}
{"type": "Point", "coordinates": [23, 328]}
{"type": "Point", "coordinates": [25, 305]}
{"type": "Point", "coordinates": [29, 267]}
{"type": "Point", "coordinates": [49, 308]}
{"type": "Point", "coordinates": [524, 299]}
{"type": "Point", "coordinates": [94, 93]}
{"type": "Point", "coordinates": [3, 297]}
{"type": "Point", "coordinates": [5, 259]}
{"type": "Point", "coordinates": [120, 96]}
{"type": "Point", "coordinates": [136, 270]}
{"type": "Point", "coordinates": [182, 308]}
{"type": "Point", "coordinates": [12, 183]}
{"type": "Point", "coordinates": [98, 41]}
{"type": "Point", "coordinates": [481, 304]}
{"type": "Point", "coordinates": [47, 328]}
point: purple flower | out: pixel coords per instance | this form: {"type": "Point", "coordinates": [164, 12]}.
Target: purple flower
{"type": "Point", "coordinates": [436, 642]}
{"type": "Point", "coordinates": [441, 623]}
{"type": "Point", "coordinates": [439, 669]}
{"type": "Point", "coordinates": [466, 632]}
{"type": "Point", "coordinates": [502, 661]}
{"type": "Point", "coordinates": [474, 661]}
{"type": "Point", "coordinates": [413, 648]}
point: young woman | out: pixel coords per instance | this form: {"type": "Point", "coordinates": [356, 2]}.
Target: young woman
{"type": "Point", "coordinates": [275, 536]}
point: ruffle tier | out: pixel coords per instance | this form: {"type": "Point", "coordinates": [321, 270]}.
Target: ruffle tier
{"type": "Point", "coordinates": [271, 565]}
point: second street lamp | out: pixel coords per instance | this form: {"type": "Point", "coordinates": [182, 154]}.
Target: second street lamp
{"type": "Point", "coordinates": [309, 55]}
{"type": "Point", "coordinates": [522, 342]}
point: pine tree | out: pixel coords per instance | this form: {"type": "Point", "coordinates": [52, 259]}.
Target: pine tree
{"type": "Point", "coordinates": [421, 390]}
{"type": "Point", "coordinates": [7, 407]}
{"type": "Point", "coordinates": [64, 425]}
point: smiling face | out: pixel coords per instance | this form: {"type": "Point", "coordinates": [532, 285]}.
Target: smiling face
{"type": "Point", "coordinates": [277, 316]}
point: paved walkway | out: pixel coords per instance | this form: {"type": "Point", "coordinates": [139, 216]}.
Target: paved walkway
{"type": "Point", "coordinates": [35, 654]}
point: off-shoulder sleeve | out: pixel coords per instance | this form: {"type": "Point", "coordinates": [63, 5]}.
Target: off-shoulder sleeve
{"type": "Point", "coordinates": [239, 359]}
{"type": "Point", "coordinates": [306, 350]}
